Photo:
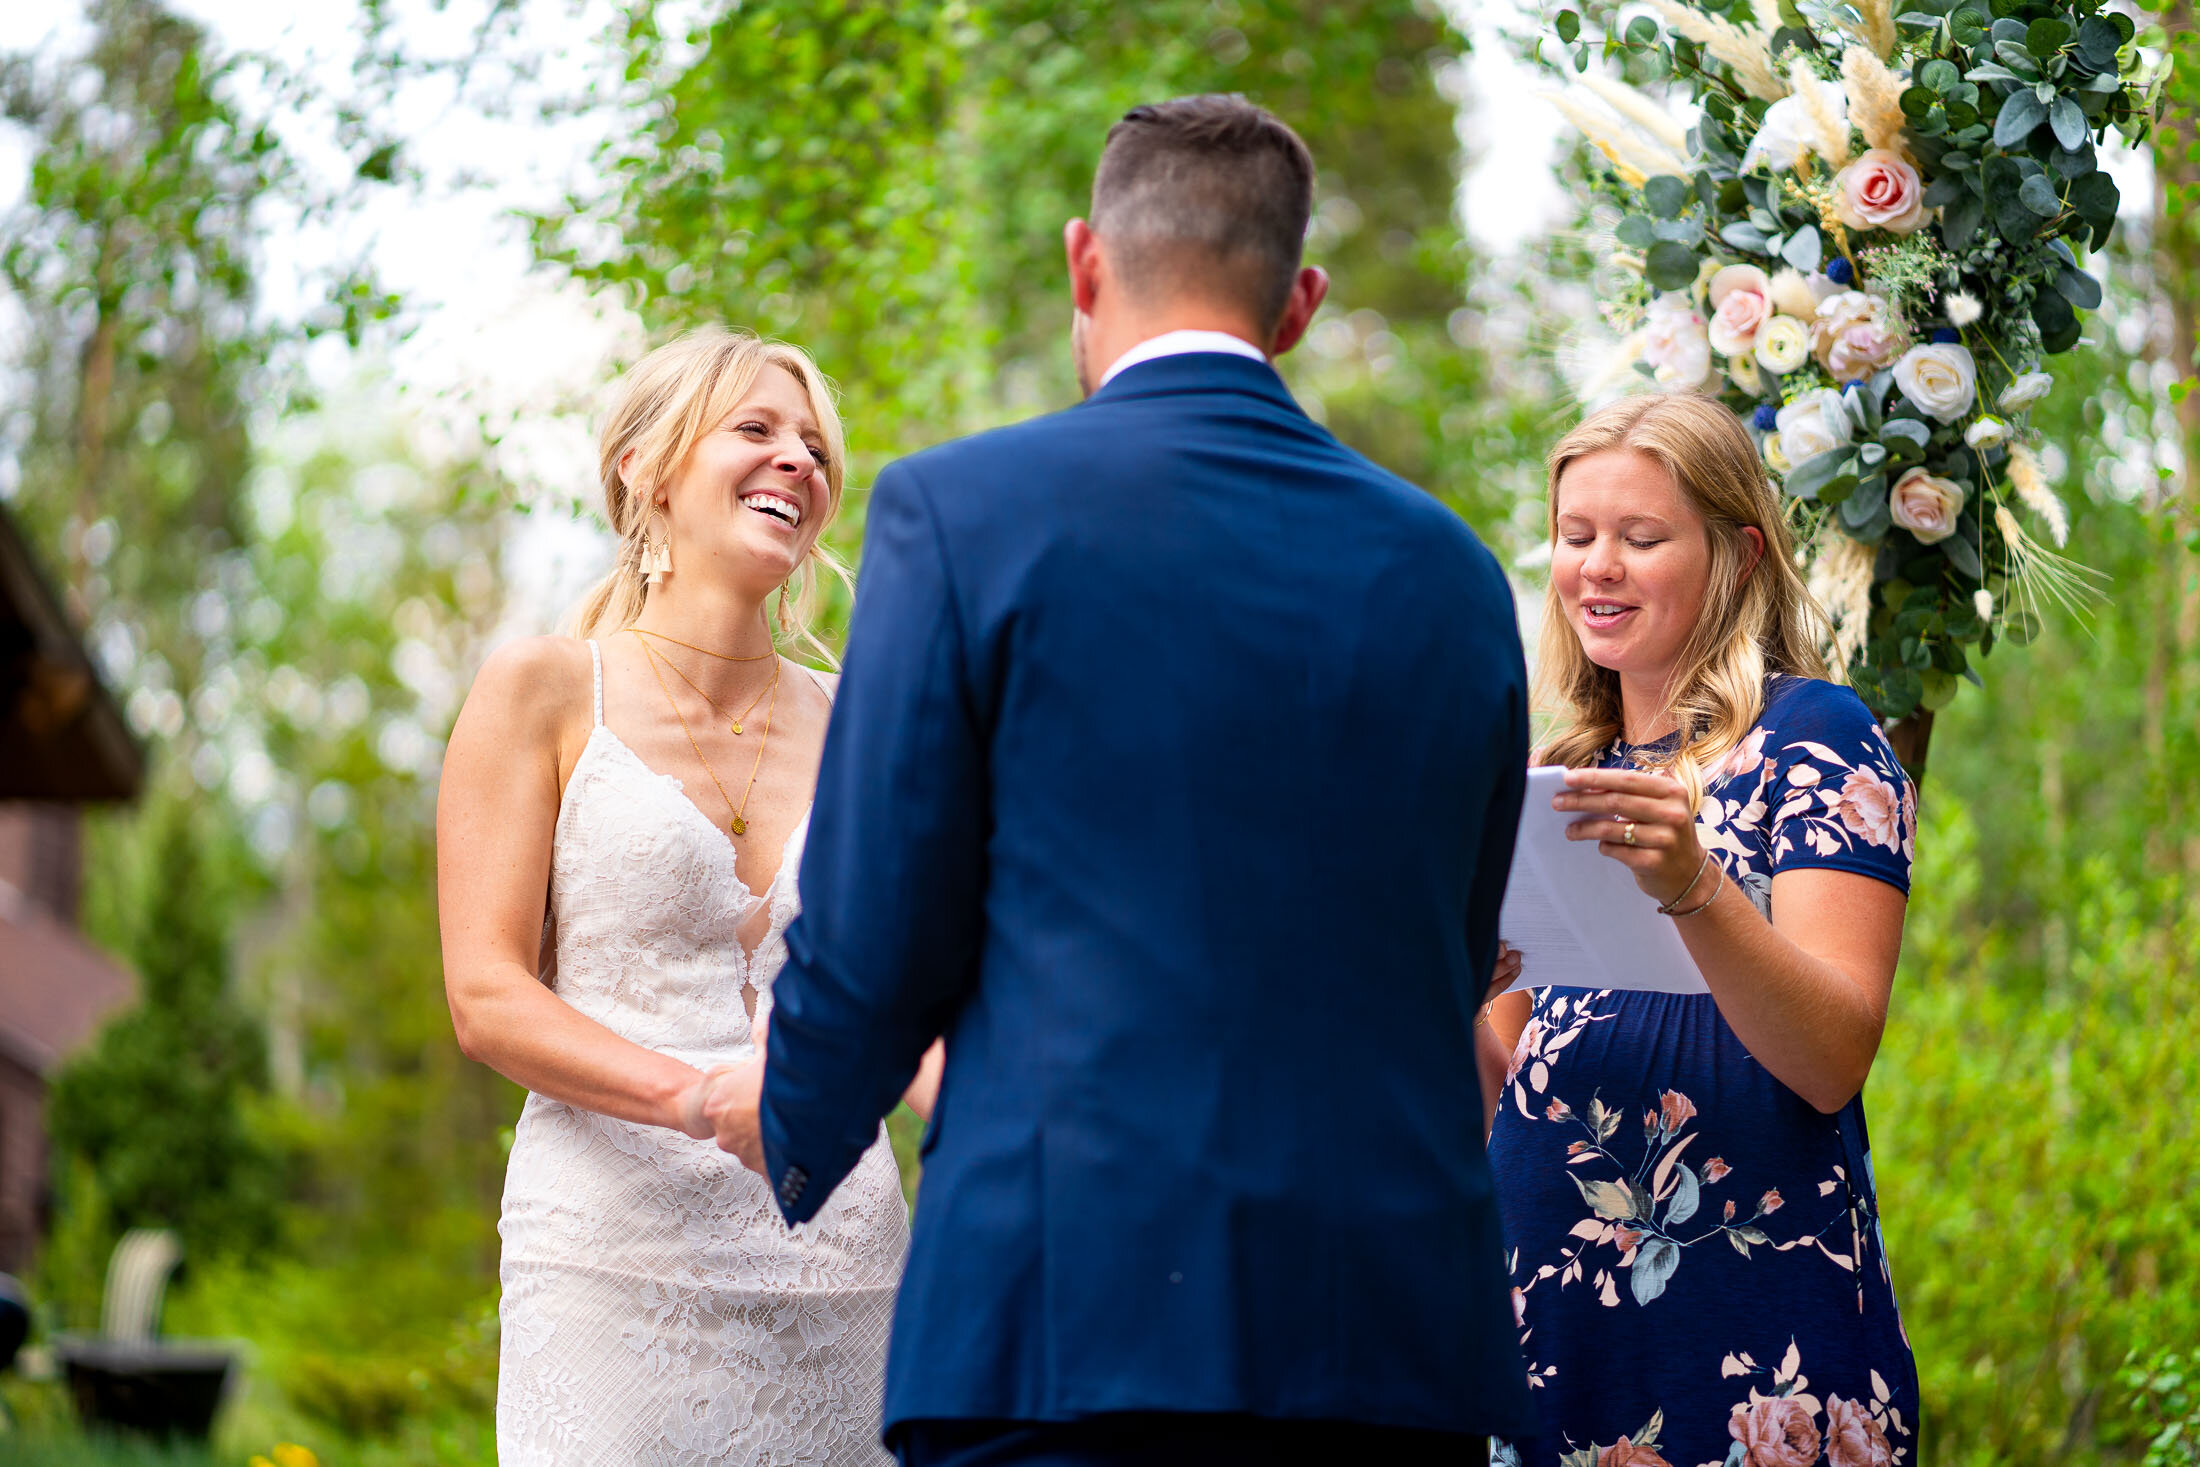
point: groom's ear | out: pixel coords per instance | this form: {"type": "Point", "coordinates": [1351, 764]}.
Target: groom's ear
{"type": "Point", "coordinates": [1082, 247]}
{"type": "Point", "coordinates": [1307, 293]}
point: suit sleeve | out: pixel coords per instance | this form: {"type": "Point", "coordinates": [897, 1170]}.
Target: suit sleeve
{"type": "Point", "coordinates": [1501, 818]}
{"type": "Point", "coordinates": [892, 875]}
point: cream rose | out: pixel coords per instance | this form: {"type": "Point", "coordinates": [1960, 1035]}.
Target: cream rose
{"type": "Point", "coordinates": [1926, 505]}
{"type": "Point", "coordinates": [1855, 334]}
{"type": "Point", "coordinates": [1880, 191]}
{"type": "Point", "coordinates": [1783, 344]}
{"type": "Point", "coordinates": [1674, 344]}
{"type": "Point", "coordinates": [1987, 432]}
{"type": "Point", "coordinates": [1740, 306]}
{"type": "Point", "coordinates": [1816, 422]}
{"type": "Point", "coordinates": [2029, 388]}
{"type": "Point", "coordinates": [1941, 380]}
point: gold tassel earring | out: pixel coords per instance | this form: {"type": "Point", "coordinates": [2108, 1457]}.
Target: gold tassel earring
{"type": "Point", "coordinates": [786, 617]}
{"type": "Point", "coordinates": [657, 552]}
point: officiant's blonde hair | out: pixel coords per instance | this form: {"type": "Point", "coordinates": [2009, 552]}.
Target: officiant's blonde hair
{"type": "Point", "coordinates": [665, 403]}
{"type": "Point", "coordinates": [1750, 627]}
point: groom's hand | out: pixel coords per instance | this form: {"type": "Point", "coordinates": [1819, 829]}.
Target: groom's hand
{"type": "Point", "coordinates": [728, 1102]}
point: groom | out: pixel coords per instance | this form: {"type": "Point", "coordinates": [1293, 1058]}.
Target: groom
{"type": "Point", "coordinates": [1174, 780]}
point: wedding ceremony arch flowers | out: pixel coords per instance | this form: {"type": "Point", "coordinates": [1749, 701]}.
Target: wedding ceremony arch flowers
{"type": "Point", "coordinates": [1871, 242]}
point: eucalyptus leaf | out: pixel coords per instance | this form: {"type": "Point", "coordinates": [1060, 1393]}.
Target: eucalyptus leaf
{"type": "Point", "coordinates": [1906, 430]}
{"type": "Point", "coordinates": [2043, 38]}
{"type": "Point", "coordinates": [2019, 115]}
{"type": "Point", "coordinates": [2074, 163]}
{"type": "Point", "coordinates": [2038, 195]}
{"type": "Point", "coordinates": [1805, 479]}
{"type": "Point", "coordinates": [2068, 120]}
{"type": "Point", "coordinates": [2078, 288]}
{"type": "Point", "coordinates": [2058, 323]}
{"type": "Point", "coordinates": [1744, 236]}
{"type": "Point", "coordinates": [1681, 231]}
{"type": "Point", "coordinates": [1963, 555]}
{"type": "Point", "coordinates": [1939, 75]}
{"type": "Point", "coordinates": [1871, 455]}
{"type": "Point", "coordinates": [1666, 195]}
{"type": "Point", "coordinates": [1568, 26]}
{"type": "Point", "coordinates": [2013, 55]}
{"type": "Point", "coordinates": [1944, 191]}
{"type": "Point", "coordinates": [1635, 232]}
{"type": "Point", "coordinates": [1989, 71]}
{"type": "Point", "coordinates": [1865, 516]}
{"type": "Point", "coordinates": [1960, 220]}
{"type": "Point", "coordinates": [1804, 249]}
{"type": "Point", "coordinates": [1670, 265]}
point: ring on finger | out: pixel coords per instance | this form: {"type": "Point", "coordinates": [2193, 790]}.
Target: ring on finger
{"type": "Point", "coordinates": [1628, 835]}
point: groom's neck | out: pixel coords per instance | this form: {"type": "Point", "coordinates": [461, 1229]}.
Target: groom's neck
{"type": "Point", "coordinates": [1113, 334]}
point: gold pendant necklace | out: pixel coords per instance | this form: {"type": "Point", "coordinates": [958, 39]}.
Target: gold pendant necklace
{"type": "Point", "coordinates": [738, 821]}
{"type": "Point", "coordinates": [734, 721]}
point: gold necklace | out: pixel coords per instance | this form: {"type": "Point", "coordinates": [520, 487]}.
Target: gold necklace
{"type": "Point", "coordinates": [733, 720]}
{"type": "Point", "coordinates": [739, 822]}
{"type": "Point", "coordinates": [721, 656]}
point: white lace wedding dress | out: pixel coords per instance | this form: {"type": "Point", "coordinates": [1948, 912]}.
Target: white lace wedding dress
{"type": "Point", "coordinates": [657, 1310]}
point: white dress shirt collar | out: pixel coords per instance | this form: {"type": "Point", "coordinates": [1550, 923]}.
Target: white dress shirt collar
{"type": "Point", "coordinates": [1177, 343]}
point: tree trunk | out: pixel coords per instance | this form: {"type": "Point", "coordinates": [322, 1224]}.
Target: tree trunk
{"type": "Point", "coordinates": [1910, 736]}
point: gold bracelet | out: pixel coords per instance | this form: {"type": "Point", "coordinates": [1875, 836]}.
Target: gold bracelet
{"type": "Point", "coordinates": [1692, 911]}
{"type": "Point", "coordinates": [1665, 909]}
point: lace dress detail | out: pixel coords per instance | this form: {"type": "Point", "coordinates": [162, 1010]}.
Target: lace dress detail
{"type": "Point", "coordinates": [657, 1310]}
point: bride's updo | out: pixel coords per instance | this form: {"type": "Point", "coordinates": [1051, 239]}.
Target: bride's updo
{"type": "Point", "coordinates": [665, 403]}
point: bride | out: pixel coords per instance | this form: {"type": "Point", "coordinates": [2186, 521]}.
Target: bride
{"type": "Point", "coordinates": [619, 829]}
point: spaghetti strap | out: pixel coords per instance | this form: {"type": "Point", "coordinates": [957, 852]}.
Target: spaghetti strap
{"type": "Point", "coordinates": [595, 656]}
{"type": "Point", "coordinates": [822, 686]}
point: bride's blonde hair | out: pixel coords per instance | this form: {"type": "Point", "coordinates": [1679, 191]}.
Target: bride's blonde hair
{"type": "Point", "coordinates": [1749, 628]}
{"type": "Point", "coordinates": [666, 402]}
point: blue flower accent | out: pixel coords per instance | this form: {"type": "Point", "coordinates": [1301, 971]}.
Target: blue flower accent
{"type": "Point", "coordinates": [1840, 272]}
{"type": "Point", "coordinates": [1947, 336]}
{"type": "Point", "coordinates": [1767, 417]}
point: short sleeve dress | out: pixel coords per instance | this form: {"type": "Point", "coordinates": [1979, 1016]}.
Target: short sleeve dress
{"type": "Point", "coordinates": [1697, 1267]}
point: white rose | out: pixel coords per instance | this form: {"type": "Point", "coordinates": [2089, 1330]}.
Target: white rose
{"type": "Point", "coordinates": [1814, 423]}
{"type": "Point", "coordinates": [1739, 308]}
{"type": "Point", "coordinates": [1926, 506]}
{"type": "Point", "coordinates": [2029, 388]}
{"type": "Point", "coordinates": [1674, 343]}
{"type": "Point", "coordinates": [1986, 432]}
{"type": "Point", "coordinates": [1788, 132]}
{"type": "Point", "coordinates": [1797, 294]}
{"type": "Point", "coordinates": [1941, 381]}
{"type": "Point", "coordinates": [1783, 344]}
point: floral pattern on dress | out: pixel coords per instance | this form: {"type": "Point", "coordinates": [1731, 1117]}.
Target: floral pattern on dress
{"type": "Point", "coordinates": [1669, 1204]}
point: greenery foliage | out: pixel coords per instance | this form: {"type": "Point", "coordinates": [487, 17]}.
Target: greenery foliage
{"type": "Point", "coordinates": [1986, 126]}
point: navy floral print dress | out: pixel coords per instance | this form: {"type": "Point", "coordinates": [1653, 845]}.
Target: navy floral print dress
{"type": "Point", "coordinates": [1696, 1260]}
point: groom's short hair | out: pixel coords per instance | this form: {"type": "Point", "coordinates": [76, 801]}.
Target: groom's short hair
{"type": "Point", "coordinates": [1205, 196]}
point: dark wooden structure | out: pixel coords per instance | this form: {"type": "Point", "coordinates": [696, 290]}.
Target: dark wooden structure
{"type": "Point", "coordinates": [63, 744]}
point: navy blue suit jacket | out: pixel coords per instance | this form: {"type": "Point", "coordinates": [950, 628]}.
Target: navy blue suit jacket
{"type": "Point", "coordinates": [1173, 778]}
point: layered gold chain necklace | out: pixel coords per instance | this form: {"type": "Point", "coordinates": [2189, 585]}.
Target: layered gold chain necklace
{"type": "Point", "coordinates": [734, 721]}
{"type": "Point", "coordinates": [737, 815]}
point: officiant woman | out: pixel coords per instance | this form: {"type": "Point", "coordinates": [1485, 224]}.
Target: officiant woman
{"type": "Point", "coordinates": [1686, 1178]}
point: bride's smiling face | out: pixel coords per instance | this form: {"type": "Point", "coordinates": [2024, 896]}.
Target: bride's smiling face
{"type": "Point", "coordinates": [753, 494]}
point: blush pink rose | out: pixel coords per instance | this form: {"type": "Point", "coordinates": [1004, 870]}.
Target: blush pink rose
{"type": "Point", "coordinates": [1674, 1110]}
{"type": "Point", "coordinates": [1741, 304]}
{"type": "Point", "coordinates": [1853, 1439]}
{"type": "Point", "coordinates": [1926, 505]}
{"type": "Point", "coordinates": [1870, 808]}
{"type": "Point", "coordinates": [1854, 334]}
{"type": "Point", "coordinates": [1775, 1432]}
{"type": "Point", "coordinates": [1880, 191]}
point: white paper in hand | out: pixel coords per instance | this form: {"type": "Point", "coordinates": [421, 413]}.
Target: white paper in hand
{"type": "Point", "coordinates": [1576, 916]}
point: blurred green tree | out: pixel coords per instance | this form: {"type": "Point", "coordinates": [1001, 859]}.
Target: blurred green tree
{"type": "Point", "coordinates": [887, 184]}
